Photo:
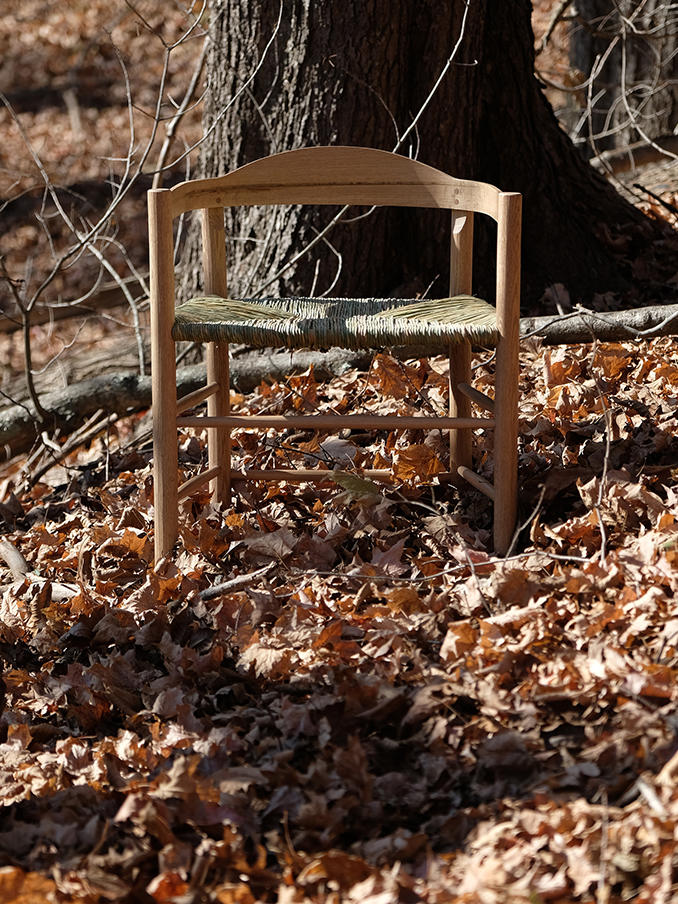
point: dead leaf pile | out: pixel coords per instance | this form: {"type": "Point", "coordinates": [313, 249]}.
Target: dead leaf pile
{"type": "Point", "coordinates": [335, 692]}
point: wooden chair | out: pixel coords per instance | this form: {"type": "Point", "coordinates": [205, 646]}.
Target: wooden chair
{"type": "Point", "coordinates": [337, 176]}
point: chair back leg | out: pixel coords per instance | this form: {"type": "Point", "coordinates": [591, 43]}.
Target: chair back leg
{"type": "Point", "coordinates": [219, 404]}
{"type": "Point", "coordinates": [461, 281]}
{"type": "Point", "coordinates": [219, 438]}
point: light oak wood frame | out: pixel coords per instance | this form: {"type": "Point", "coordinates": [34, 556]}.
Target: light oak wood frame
{"type": "Point", "coordinates": [337, 176]}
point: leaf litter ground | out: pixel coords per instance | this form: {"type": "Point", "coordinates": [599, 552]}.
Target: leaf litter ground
{"type": "Point", "coordinates": [337, 693]}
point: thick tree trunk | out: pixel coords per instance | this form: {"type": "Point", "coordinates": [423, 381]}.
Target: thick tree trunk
{"type": "Point", "coordinates": [357, 73]}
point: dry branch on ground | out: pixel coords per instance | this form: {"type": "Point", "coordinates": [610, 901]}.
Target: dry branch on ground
{"type": "Point", "coordinates": [122, 393]}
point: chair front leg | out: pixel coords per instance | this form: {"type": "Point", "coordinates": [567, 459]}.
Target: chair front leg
{"type": "Point", "coordinates": [165, 463]}
{"type": "Point", "coordinates": [164, 371]}
{"type": "Point", "coordinates": [506, 446]}
{"type": "Point", "coordinates": [507, 371]}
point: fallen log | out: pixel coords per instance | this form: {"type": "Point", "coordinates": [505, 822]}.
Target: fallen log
{"type": "Point", "coordinates": [632, 157]}
{"type": "Point", "coordinates": [128, 392]}
{"type": "Point", "coordinates": [585, 326]}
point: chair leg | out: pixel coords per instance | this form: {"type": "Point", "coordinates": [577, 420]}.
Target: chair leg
{"type": "Point", "coordinates": [219, 438]}
{"type": "Point", "coordinates": [507, 371]}
{"type": "Point", "coordinates": [459, 405]}
{"type": "Point", "coordinates": [165, 458]}
{"type": "Point", "coordinates": [506, 446]}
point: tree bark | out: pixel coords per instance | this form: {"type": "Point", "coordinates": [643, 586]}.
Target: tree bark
{"type": "Point", "coordinates": [357, 74]}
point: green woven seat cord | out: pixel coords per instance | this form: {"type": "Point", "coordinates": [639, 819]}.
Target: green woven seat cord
{"type": "Point", "coordinates": [458, 309]}
{"type": "Point", "coordinates": [336, 322]}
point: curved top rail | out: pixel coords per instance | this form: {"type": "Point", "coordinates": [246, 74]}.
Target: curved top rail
{"type": "Point", "coordinates": [337, 175]}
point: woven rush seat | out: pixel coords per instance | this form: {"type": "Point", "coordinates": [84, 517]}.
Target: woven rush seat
{"type": "Point", "coordinates": [351, 323]}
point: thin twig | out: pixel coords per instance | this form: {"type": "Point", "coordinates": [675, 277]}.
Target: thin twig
{"type": "Point", "coordinates": [670, 207]}
{"type": "Point", "coordinates": [236, 583]}
{"type": "Point", "coordinates": [528, 521]}
{"type": "Point", "coordinates": [171, 129]}
{"type": "Point", "coordinates": [556, 16]}
{"type": "Point", "coordinates": [90, 429]}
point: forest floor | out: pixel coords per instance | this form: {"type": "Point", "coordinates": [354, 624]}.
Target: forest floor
{"type": "Point", "coordinates": [338, 693]}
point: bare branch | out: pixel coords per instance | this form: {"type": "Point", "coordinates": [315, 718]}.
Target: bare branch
{"type": "Point", "coordinates": [556, 17]}
{"type": "Point", "coordinates": [176, 120]}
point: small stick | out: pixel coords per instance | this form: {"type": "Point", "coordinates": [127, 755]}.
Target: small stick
{"type": "Point", "coordinates": [13, 559]}
{"type": "Point", "coordinates": [671, 207]}
{"type": "Point", "coordinates": [242, 580]}
{"type": "Point", "coordinates": [78, 439]}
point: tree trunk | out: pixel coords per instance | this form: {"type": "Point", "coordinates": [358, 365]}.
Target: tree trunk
{"type": "Point", "coordinates": [357, 73]}
{"type": "Point", "coordinates": [634, 90]}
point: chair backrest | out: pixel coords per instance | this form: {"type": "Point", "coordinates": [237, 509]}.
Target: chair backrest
{"type": "Point", "coordinates": [337, 175]}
